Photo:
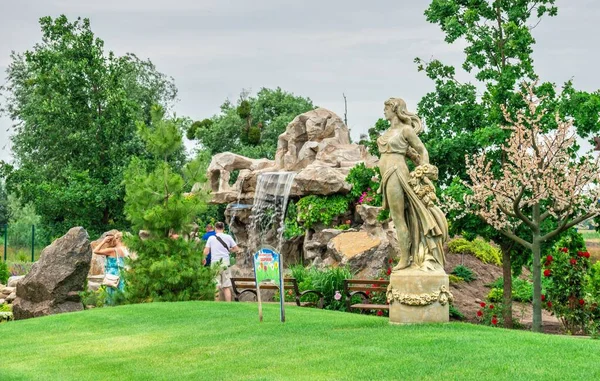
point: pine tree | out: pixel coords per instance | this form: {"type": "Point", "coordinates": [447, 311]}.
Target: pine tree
{"type": "Point", "coordinates": [166, 269]}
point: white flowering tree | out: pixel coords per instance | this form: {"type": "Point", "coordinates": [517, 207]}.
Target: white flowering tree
{"type": "Point", "coordinates": [540, 178]}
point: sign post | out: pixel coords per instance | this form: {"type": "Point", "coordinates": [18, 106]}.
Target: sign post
{"type": "Point", "coordinates": [268, 268]}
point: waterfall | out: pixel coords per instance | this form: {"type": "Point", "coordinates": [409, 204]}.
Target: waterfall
{"type": "Point", "coordinates": [268, 211]}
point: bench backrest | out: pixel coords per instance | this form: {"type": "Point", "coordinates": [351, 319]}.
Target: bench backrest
{"type": "Point", "coordinates": [365, 285]}
{"type": "Point", "coordinates": [249, 283]}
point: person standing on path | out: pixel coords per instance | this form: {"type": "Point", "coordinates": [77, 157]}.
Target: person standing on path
{"type": "Point", "coordinates": [219, 246]}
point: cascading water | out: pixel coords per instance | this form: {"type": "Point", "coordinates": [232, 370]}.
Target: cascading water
{"type": "Point", "coordinates": [268, 212]}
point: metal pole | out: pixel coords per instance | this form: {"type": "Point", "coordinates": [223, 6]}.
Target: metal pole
{"type": "Point", "coordinates": [32, 243]}
{"type": "Point", "coordinates": [5, 240]}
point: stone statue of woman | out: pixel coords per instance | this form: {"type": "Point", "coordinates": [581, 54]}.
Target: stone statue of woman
{"type": "Point", "coordinates": [421, 226]}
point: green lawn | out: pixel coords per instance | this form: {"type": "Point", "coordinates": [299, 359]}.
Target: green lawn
{"type": "Point", "coordinates": [225, 341]}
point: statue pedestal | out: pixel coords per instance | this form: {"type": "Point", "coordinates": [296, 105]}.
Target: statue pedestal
{"type": "Point", "coordinates": [417, 296]}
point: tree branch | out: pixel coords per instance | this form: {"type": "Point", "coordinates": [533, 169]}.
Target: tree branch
{"type": "Point", "coordinates": [517, 239]}
{"type": "Point", "coordinates": [564, 226]}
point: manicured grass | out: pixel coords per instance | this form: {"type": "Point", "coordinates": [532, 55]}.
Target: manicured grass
{"type": "Point", "coordinates": [591, 235]}
{"type": "Point", "coordinates": [218, 341]}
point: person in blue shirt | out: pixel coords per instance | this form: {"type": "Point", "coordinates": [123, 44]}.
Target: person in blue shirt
{"type": "Point", "coordinates": [210, 231]}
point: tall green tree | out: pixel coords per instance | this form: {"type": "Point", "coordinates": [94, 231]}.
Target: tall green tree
{"type": "Point", "coordinates": [250, 127]}
{"type": "Point", "coordinates": [465, 118]}
{"type": "Point", "coordinates": [156, 201]}
{"type": "Point", "coordinates": [74, 108]}
{"type": "Point", "coordinates": [4, 210]}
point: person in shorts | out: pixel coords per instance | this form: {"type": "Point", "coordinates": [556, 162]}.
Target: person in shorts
{"type": "Point", "coordinates": [219, 246]}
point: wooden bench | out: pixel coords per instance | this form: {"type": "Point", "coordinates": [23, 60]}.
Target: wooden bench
{"type": "Point", "coordinates": [248, 285]}
{"type": "Point", "coordinates": [364, 288]}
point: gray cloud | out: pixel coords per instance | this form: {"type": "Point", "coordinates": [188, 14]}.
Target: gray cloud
{"type": "Point", "coordinates": [319, 49]}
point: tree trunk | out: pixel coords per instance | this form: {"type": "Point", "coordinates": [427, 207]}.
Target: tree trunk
{"type": "Point", "coordinates": [507, 289]}
{"type": "Point", "coordinates": [537, 285]}
{"type": "Point", "coordinates": [105, 215]}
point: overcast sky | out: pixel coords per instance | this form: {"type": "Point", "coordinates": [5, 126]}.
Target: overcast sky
{"type": "Point", "coordinates": [319, 49]}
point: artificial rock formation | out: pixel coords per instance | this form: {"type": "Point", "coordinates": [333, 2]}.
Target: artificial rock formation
{"type": "Point", "coordinates": [54, 282]}
{"type": "Point", "coordinates": [316, 145]}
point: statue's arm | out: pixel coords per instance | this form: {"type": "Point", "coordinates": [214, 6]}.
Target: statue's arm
{"type": "Point", "coordinates": [416, 143]}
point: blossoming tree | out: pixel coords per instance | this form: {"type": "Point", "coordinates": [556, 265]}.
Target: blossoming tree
{"type": "Point", "coordinates": [540, 178]}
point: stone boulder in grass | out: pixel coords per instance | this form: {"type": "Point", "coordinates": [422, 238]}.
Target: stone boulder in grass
{"type": "Point", "coordinates": [54, 282]}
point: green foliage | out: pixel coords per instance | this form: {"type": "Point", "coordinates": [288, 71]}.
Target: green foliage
{"type": "Point", "coordinates": [465, 273]}
{"type": "Point", "coordinates": [251, 127]}
{"type": "Point", "coordinates": [455, 279]}
{"type": "Point", "coordinates": [328, 281]}
{"type": "Point", "coordinates": [455, 313]}
{"type": "Point", "coordinates": [4, 210]}
{"type": "Point", "coordinates": [522, 290]}
{"type": "Point", "coordinates": [197, 128]}
{"type": "Point", "coordinates": [4, 273]}
{"type": "Point", "coordinates": [74, 108]}
{"type": "Point", "coordinates": [593, 282]}
{"type": "Point", "coordinates": [370, 140]}
{"type": "Point", "coordinates": [292, 227]}
{"type": "Point", "coordinates": [495, 295]}
{"type": "Point", "coordinates": [21, 220]}
{"type": "Point", "coordinates": [96, 298]}
{"type": "Point", "coordinates": [491, 313]}
{"type": "Point", "coordinates": [567, 277]}
{"type": "Point", "coordinates": [464, 118]}
{"type": "Point", "coordinates": [321, 209]}
{"type": "Point", "coordinates": [166, 269]}
{"type": "Point", "coordinates": [383, 215]}
{"type": "Point", "coordinates": [477, 248]}
{"type": "Point", "coordinates": [365, 183]}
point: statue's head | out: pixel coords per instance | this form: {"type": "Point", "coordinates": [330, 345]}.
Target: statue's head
{"type": "Point", "coordinates": [396, 108]}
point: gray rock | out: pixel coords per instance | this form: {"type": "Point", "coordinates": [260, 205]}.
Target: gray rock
{"type": "Point", "coordinates": [10, 298]}
{"type": "Point", "coordinates": [53, 283]}
{"type": "Point", "coordinates": [2, 301]}
{"type": "Point", "coordinates": [7, 290]}
{"type": "Point", "coordinates": [14, 280]}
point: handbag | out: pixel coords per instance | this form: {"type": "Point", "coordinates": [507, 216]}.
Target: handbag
{"type": "Point", "coordinates": [111, 280]}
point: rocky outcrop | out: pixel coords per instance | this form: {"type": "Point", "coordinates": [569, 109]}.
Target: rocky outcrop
{"type": "Point", "coordinates": [53, 284]}
{"type": "Point", "coordinates": [306, 135]}
{"type": "Point", "coordinates": [316, 145]}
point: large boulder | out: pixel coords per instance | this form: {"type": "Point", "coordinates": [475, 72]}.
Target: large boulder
{"type": "Point", "coordinates": [53, 284]}
{"type": "Point", "coordinates": [298, 146]}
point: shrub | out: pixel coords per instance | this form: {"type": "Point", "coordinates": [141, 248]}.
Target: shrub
{"type": "Point", "coordinates": [522, 289]}
{"type": "Point", "coordinates": [362, 180]}
{"type": "Point", "coordinates": [465, 273]}
{"type": "Point", "coordinates": [495, 295]}
{"type": "Point", "coordinates": [4, 273]}
{"type": "Point", "coordinates": [5, 313]}
{"type": "Point", "coordinates": [593, 281]}
{"type": "Point", "coordinates": [169, 270]}
{"type": "Point", "coordinates": [455, 279]}
{"type": "Point", "coordinates": [455, 313]}
{"type": "Point", "coordinates": [490, 314]}
{"type": "Point", "coordinates": [478, 248]}
{"type": "Point", "coordinates": [328, 281]}
{"type": "Point", "coordinates": [567, 280]}
{"type": "Point", "coordinates": [320, 209]}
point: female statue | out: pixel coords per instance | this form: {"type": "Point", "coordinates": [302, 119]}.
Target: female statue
{"type": "Point", "coordinates": [420, 225]}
